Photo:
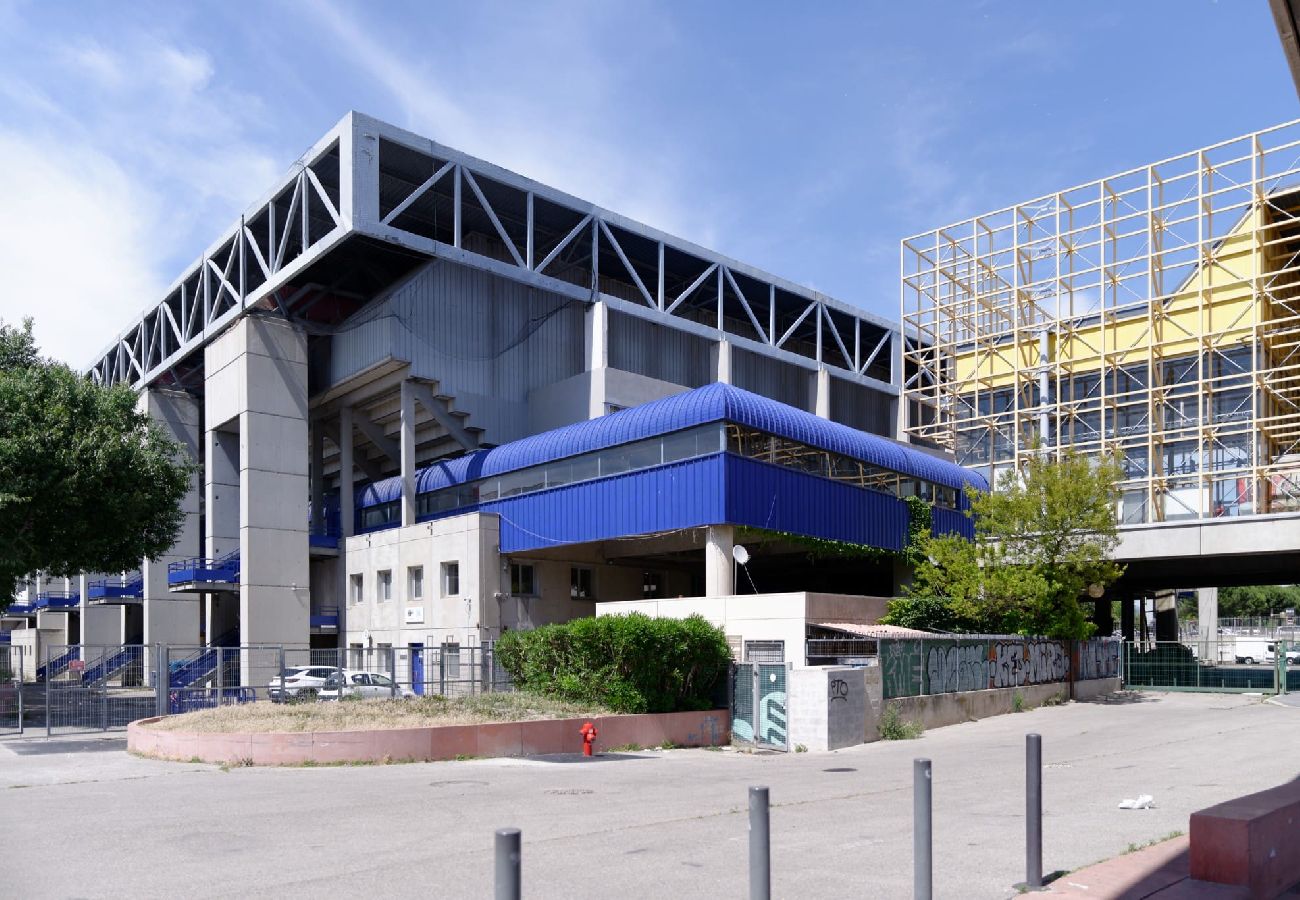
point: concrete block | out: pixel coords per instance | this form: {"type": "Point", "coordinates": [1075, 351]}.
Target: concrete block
{"type": "Point", "coordinates": [1252, 841]}
{"type": "Point", "coordinates": [273, 443]}
{"type": "Point", "coordinates": [274, 386]}
{"type": "Point", "coordinates": [274, 338]}
{"type": "Point", "coordinates": [271, 556]}
{"type": "Point", "coordinates": [273, 500]}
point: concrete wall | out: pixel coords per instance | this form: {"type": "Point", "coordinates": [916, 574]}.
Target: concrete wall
{"type": "Point", "coordinates": [103, 625]}
{"type": "Point", "coordinates": [763, 617]}
{"type": "Point", "coordinates": [937, 710]}
{"type": "Point", "coordinates": [827, 707]}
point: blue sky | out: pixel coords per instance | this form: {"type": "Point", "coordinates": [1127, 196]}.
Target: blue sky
{"type": "Point", "coordinates": [807, 143]}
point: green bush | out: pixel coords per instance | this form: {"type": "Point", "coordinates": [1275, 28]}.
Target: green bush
{"type": "Point", "coordinates": [892, 727]}
{"type": "Point", "coordinates": [631, 664]}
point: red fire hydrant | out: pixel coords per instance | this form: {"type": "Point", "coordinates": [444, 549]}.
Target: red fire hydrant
{"type": "Point", "coordinates": [588, 732]}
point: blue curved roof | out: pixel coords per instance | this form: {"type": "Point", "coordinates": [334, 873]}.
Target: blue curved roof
{"type": "Point", "coordinates": [711, 403]}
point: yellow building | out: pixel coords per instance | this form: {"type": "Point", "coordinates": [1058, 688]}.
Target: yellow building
{"type": "Point", "coordinates": [1155, 313]}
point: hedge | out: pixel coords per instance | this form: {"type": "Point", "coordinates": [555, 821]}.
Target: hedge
{"type": "Point", "coordinates": [631, 664]}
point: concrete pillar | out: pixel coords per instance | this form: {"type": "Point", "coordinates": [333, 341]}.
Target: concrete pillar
{"type": "Point", "coordinates": [718, 565]}
{"type": "Point", "coordinates": [722, 361]}
{"type": "Point", "coordinates": [256, 374]}
{"type": "Point", "coordinates": [347, 492]}
{"type": "Point", "coordinates": [1207, 622]}
{"type": "Point", "coordinates": [169, 618]}
{"type": "Point", "coordinates": [896, 378]}
{"type": "Point", "coordinates": [822, 393]}
{"type": "Point", "coordinates": [317, 476]}
{"type": "Point", "coordinates": [408, 453]}
{"type": "Point", "coordinates": [1126, 617]}
{"type": "Point", "coordinates": [221, 491]}
{"type": "Point", "coordinates": [1166, 604]}
{"type": "Point", "coordinates": [596, 337]}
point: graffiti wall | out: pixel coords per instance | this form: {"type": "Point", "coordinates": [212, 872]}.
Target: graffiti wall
{"type": "Point", "coordinates": [1099, 658]}
{"type": "Point", "coordinates": [948, 665]}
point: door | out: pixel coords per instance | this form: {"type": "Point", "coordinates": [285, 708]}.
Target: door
{"type": "Point", "coordinates": [417, 669]}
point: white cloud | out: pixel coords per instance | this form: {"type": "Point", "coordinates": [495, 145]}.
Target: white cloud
{"type": "Point", "coordinates": [132, 157]}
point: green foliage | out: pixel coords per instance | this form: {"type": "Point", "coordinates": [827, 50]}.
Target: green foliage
{"type": "Point", "coordinates": [919, 520]}
{"type": "Point", "coordinates": [1017, 702]}
{"type": "Point", "coordinates": [1042, 538]}
{"type": "Point", "coordinates": [892, 727]}
{"type": "Point", "coordinates": [630, 664]}
{"type": "Point", "coordinates": [88, 482]}
{"type": "Point", "coordinates": [1244, 602]}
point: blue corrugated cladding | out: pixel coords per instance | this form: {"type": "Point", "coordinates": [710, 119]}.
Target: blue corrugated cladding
{"type": "Point", "coordinates": [680, 495]}
{"type": "Point", "coordinates": [767, 496]}
{"type": "Point", "coordinates": [952, 521]}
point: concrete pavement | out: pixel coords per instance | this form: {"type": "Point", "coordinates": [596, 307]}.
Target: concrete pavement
{"type": "Point", "coordinates": [647, 824]}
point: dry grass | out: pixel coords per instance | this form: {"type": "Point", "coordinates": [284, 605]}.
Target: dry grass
{"type": "Point", "coordinates": [370, 715]}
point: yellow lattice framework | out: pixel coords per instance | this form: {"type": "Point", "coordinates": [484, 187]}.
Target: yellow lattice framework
{"type": "Point", "coordinates": [1155, 313]}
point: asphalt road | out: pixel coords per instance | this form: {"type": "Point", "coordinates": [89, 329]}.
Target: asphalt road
{"type": "Point", "coordinates": [87, 819]}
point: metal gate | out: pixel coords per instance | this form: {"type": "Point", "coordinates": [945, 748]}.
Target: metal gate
{"type": "Point", "coordinates": [94, 688]}
{"type": "Point", "coordinates": [1230, 664]}
{"type": "Point", "coordinates": [758, 705]}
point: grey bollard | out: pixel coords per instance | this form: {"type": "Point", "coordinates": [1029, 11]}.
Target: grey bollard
{"type": "Point", "coordinates": [1033, 811]}
{"type": "Point", "coordinates": [922, 847]}
{"type": "Point", "coordinates": [509, 885]}
{"type": "Point", "coordinates": [760, 845]}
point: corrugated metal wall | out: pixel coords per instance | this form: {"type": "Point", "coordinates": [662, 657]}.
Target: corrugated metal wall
{"type": "Point", "coordinates": [767, 496]}
{"type": "Point", "coordinates": [786, 383]}
{"type": "Point", "coordinates": [951, 521]}
{"type": "Point", "coordinates": [860, 407]}
{"type": "Point", "coordinates": [682, 495]}
{"type": "Point", "coordinates": [659, 351]}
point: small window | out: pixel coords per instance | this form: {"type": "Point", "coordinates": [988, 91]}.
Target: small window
{"type": "Point", "coordinates": [415, 582]}
{"type": "Point", "coordinates": [360, 679]}
{"type": "Point", "coordinates": [384, 589]}
{"type": "Point", "coordinates": [357, 590]}
{"type": "Point", "coordinates": [580, 584]}
{"type": "Point", "coordinates": [765, 651]}
{"type": "Point", "coordinates": [381, 681]}
{"type": "Point", "coordinates": [521, 580]}
{"type": "Point", "coordinates": [451, 579]}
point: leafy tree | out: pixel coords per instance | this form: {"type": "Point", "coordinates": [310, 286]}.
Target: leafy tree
{"type": "Point", "coordinates": [1042, 538]}
{"type": "Point", "coordinates": [1254, 600]}
{"type": "Point", "coordinates": [87, 482]}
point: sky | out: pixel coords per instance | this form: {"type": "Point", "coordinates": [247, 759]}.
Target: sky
{"type": "Point", "coordinates": [805, 139]}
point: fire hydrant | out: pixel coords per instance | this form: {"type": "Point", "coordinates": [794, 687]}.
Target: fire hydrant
{"type": "Point", "coordinates": [588, 732]}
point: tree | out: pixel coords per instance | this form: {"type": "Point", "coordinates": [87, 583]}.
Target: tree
{"type": "Point", "coordinates": [87, 482]}
{"type": "Point", "coordinates": [1255, 600]}
{"type": "Point", "coordinates": [1042, 538]}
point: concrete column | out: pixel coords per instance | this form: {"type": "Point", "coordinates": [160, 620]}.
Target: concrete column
{"type": "Point", "coordinates": [221, 491]}
{"type": "Point", "coordinates": [718, 564]}
{"type": "Point", "coordinates": [822, 393]}
{"type": "Point", "coordinates": [169, 618]}
{"type": "Point", "coordinates": [317, 476]}
{"type": "Point", "coordinates": [256, 373]}
{"type": "Point", "coordinates": [408, 453]}
{"type": "Point", "coordinates": [722, 361]}
{"type": "Point", "coordinates": [1207, 622]}
{"type": "Point", "coordinates": [347, 497]}
{"type": "Point", "coordinates": [1126, 617]}
{"type": "Point", "coordinates": [896, 378]}
{"type": "Point", "coordinates": [596, 338]}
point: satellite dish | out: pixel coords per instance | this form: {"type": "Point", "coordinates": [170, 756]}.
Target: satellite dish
{"type": "Point", "coordinates": [740, 554]}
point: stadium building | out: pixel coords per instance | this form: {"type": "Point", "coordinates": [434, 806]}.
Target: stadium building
{"type": "Point", "coordinates": [432, 400]}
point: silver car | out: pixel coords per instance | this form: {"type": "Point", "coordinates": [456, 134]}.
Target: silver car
{"type": "Point", "coordinates": [362, 685]}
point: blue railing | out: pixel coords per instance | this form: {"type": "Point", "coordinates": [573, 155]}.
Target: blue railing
{"type": "Point", "coordinates": [183, 700]}
{"type": "Point", "coordinates": [57, 665]}
{"type": "Point", "coordinates": [198, 569]}
{"type": "Point", "coordinates": [327, 618]}
{"type": "Point", "coordinates": [6, 637]}
{"type": "Point", "coordinates": [57, 600]}
{"type": "Point", "coordinates": [184, 672]}
{"type": "Point", "coordinates": [20, 608]}
{"type": "Point", "coordinates": [113, 588]}
{"type": "Point", "coordinates": [111, 665]}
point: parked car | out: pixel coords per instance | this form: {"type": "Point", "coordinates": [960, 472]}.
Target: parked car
{"type": "Point", "coordinates": [300, 682]}
{"type": "Point", "coordinates": [1292, 654]}
{"type": "Point", "coordinates": [364, 685]}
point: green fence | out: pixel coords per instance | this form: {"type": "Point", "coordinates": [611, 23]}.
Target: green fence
{"type": "Point", "coordinates": [1243, 664]}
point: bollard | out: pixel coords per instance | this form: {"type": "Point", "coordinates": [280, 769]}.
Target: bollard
{"type": "Point", "coordinates": [922, 847]}
{"type": "Point", "coordinates": [1033, 811]}
{"type": "Point", "coordinates": [509, 885]}
{"type": "Point", "coordinates": [760, 845]}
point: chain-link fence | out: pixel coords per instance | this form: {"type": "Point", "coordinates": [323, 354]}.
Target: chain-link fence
{"type": "Point", "coordinates": [759, 712]}
{"type": "Point", "coordinates": [1242, 664]}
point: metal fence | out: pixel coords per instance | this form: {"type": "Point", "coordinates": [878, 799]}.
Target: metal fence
{"type": "Point", "coordinates": [759, 713]}
{"type": "Point", "coordinates": [83, 687]}
{"type": "Point", "coordinates": [1242, 664]}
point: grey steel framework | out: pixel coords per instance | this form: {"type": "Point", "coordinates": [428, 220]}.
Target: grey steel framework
{"type": "Point", "coordinates": [391, 195]}
{"type": "Point", "coordinates": [1155, 313]}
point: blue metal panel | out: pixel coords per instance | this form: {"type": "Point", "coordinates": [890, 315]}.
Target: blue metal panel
{"type": "Point", "coordinates": [711, 403]}
{"type": "Point", "coordinates": [679, 495]}
{"type": "Point", "coordinates": [952, 521]}
{"type": "Point", "coordinates": [767, 496]}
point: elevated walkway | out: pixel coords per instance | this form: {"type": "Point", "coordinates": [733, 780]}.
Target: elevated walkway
{"type": "Point", "coordinates": [1222, 552]}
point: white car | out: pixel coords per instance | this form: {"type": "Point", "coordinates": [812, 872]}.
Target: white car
{"type": "Point", "coordinates": [1292, 654]}
{"type": "Point", "coordinates": [300, 682]}
{"type": "Point", "coordinates": [364, 685]}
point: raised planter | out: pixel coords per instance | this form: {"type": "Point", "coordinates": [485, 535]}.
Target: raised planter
{"type": "Point", "coordinates": [711, 728]}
